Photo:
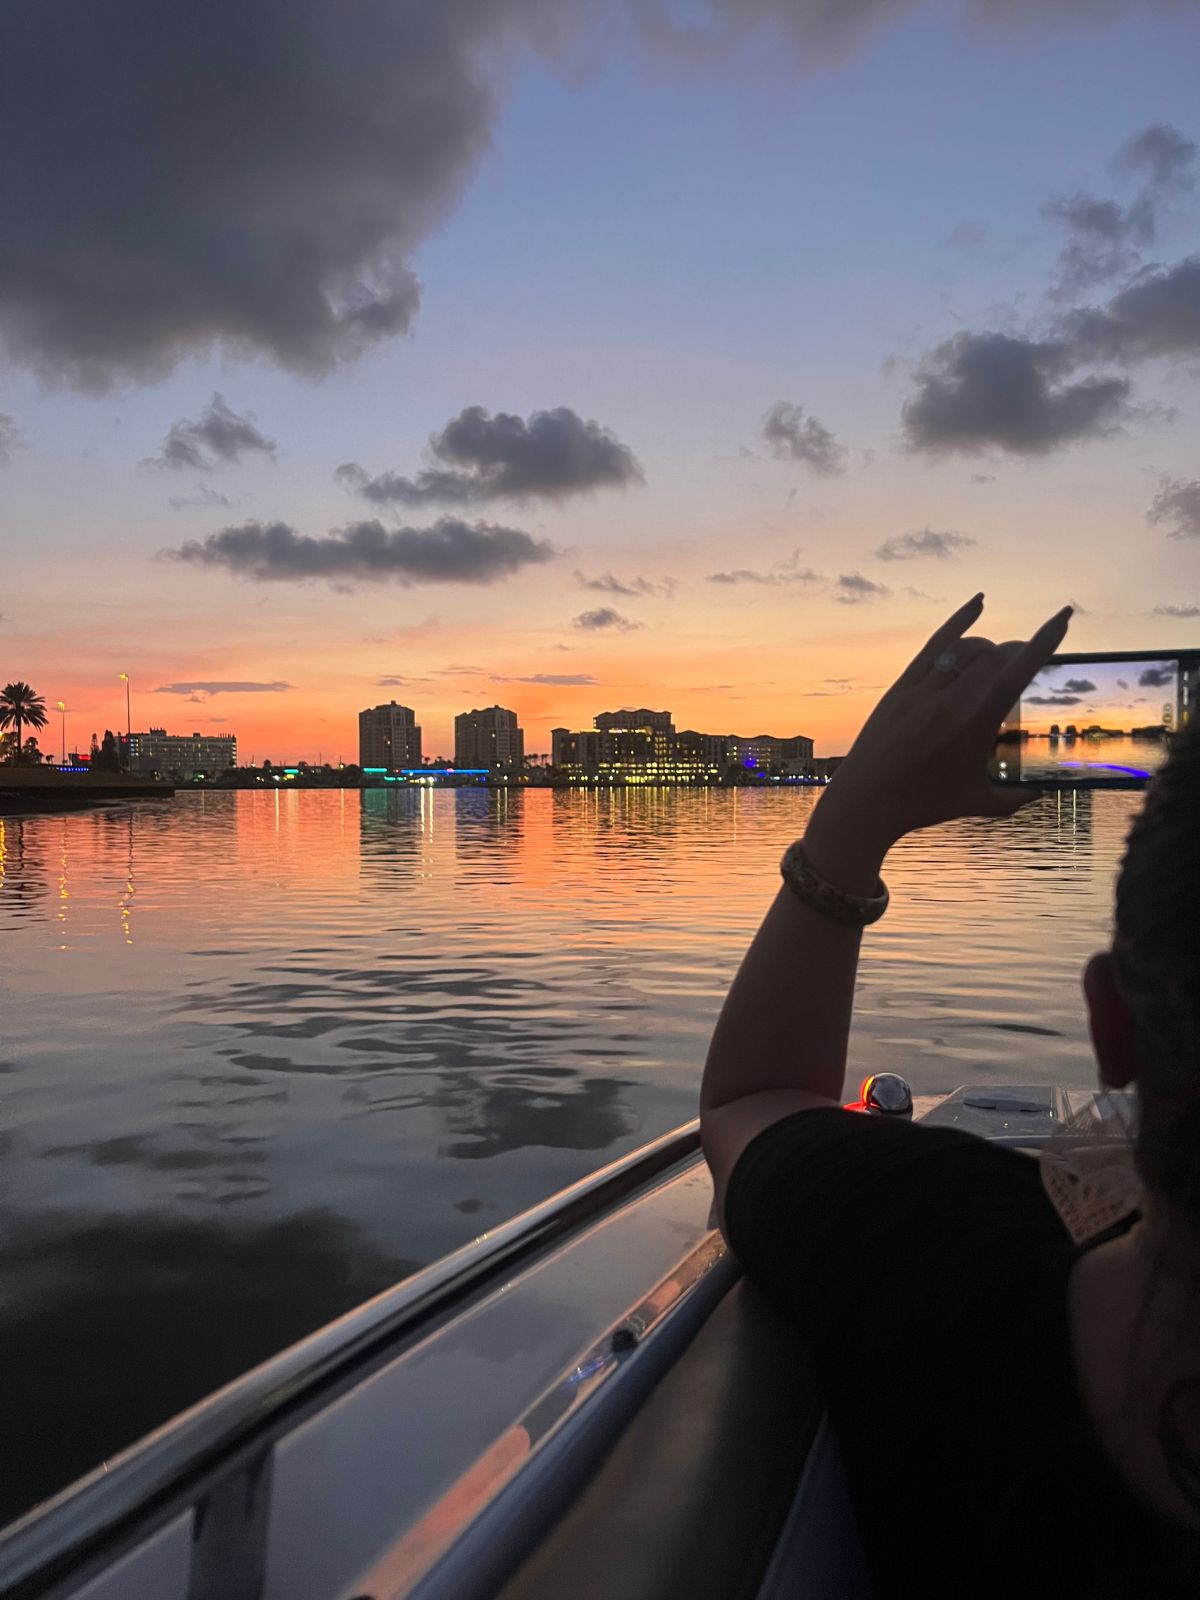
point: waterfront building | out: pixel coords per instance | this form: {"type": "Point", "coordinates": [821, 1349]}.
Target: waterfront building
{"type": "Point", "coordinates": [181, 755]}
{"type": "Point", "coordinates": [708, 752]}
{"type": "Point", "coordinates": [658, 724]}
{"type": "Point", "coordinates": [489, 738]}
{"type": "Point", "coordinates": [388, 737]}
{"type": "Point", "coordinates": [642, 746]}
{"type": "Point", "coordinates": [766, 753]}
{"type": "Point", "coordinates": [629, 756]}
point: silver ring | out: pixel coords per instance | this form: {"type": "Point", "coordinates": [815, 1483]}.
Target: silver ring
{"type": "Point", "coordinates": [947, 662]}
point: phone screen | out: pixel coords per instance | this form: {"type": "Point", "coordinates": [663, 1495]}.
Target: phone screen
{"type": "Point", "coordinates": [1103, 721]}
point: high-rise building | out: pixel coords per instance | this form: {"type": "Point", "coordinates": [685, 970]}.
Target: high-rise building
{"type": "Point", "coordinates": [388, 736]}
{"type": "Point", "coordinates": [182, 755]}
{"type": "Point", "coordinates": [488, 738]}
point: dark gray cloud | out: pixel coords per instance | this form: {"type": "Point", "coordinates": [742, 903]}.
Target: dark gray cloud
{"type": "Point", "coordinates": [1077, 686]}
{"type": "Point", "coordinates": [250, 175]}
{"type": "Point", "coordinates": [10, 437]}
{"type": "Point", "coordinates": [1163, 153]}
{"type": "Point", "coordinates": [775, 576]}
{"type": "Point", "coordinates": [1051, 700]}
{"type": "Point", "coordinates": [982, 391]}
{"type": "Point", "coordinates": [797, 437]}
{"type": "Point", "coordinates": [222, 686]}
{"type": "Point", "coordinates": [983, 477]}
{"type": "Point", "coordinates": [217, 436]}
{"type": "Point", "coordinates": [552, 455]}
{"type": "Point", "coordinates": [604, 619]}
{"type": "Point", "coordinates": [1158, 314]}
{"type": "Point", "coordinates": [926, 542]}
{"type": "Point", "coordinates": [1177, 505]}
{"type": "Point", "coordinates": [1156, 678]}
{"type": "Point", "coordinates": [451, 551]}
{"type": "Point", "coordinates": [204, 496]}
{"type": "Point", "coordinates": [628, 588]}
{"type": "Point", "coordinates": [1176, 611]}
{"type": "Point", "coordinates": [852, 589]}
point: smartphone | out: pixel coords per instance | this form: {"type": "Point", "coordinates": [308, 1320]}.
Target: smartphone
{"type": "Point", "coordinates": [1101, 721]}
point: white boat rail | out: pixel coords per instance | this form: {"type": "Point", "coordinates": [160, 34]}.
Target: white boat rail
{"type": "Point", "coordinates": [143, 1487]}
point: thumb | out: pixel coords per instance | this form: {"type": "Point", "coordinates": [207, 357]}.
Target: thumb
{"type": "Point", "coordinates": [1006, 799]}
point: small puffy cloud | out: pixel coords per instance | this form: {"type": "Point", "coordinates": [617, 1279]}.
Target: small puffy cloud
{"type": "Point", "coordinates": [993, 391]}
{"type": "Point", "coordinates": [557, 680]}
{"type": "Point", "coordinates": [204, 496]}
{"type": "Point", "coordinates": [775, 576]}
{"type": "Point", "coordinates": [552, 455]}
{"type": "Point", "coordinates": [1051, 700]}
{"type": "Point", "coordinates": [1177, 504]}
{"type": "Point", "coordinates": [1078, 686]}
{"type": "Point", "coordinates": [223, 686]}
{"type": "Point", "coordinates": [451, 551]}
{"type": "Point", "coordinates": [927, 542]}
{"type": "Point", "coordinates": [1176, 611]}
{"type": "Point", "coordinates": [852, 589]}
{"type": "Point", "coordinates": [604, 620]}
{"type": "Point", "coordinates": [218, 435]}
{"type": "Point", "coordinates": [983, 477]}
{"type": "Point", "coordinates": [1156, 678]}
{"type": "Point", "coordinates": [1163, 153]}
{"type": "Point", "coordinates": [796, 437]}
{"type": "Point", "coordinates": [10, 437]}
{"type": "Point", "coordinates": [628, 588]}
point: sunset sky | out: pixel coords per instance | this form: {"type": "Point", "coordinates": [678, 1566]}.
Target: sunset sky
{"type": "Point", "coordinates": [575, 354]}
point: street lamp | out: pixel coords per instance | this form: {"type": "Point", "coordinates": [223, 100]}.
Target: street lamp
{"type": "Point", "coordinates": [62, 706]}
{"type": "Point", "coordinates": [124, 677]}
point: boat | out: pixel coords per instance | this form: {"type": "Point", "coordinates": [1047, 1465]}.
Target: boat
{"type": "Point", "coordinates": [587, 1401]}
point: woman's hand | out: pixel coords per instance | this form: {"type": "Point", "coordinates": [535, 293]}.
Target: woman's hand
{"type": "Point", "coordinates": [922, 755]}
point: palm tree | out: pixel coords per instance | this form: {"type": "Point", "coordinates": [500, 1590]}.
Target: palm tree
{"type": "Point", "coordinates": [19, 705]}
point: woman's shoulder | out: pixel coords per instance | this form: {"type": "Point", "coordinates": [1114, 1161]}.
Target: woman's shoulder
{"type": "Point", "coordinates": [840, 1214]}
{"type": "Point", "coordinates": [834, 1152]}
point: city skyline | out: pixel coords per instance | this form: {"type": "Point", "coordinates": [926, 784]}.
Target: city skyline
{"type": "Point", "coordinates": [711, 367]}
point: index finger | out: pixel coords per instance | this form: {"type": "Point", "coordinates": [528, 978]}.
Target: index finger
{"type": "Point", "coordinates": [953, 628]}
{"type": "Point", "coordinates": [1025, 665]}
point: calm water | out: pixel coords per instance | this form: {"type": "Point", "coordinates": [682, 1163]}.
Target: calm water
{"type": "Point", "coordinates": [261, 1055]}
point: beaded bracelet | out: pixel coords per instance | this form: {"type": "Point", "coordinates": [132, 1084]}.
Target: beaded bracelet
{"type": "Point", "coordinates": [850, 910]}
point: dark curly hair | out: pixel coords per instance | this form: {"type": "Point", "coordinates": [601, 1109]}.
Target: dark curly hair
{"type": "Point", "coordinates": [1157, 958]}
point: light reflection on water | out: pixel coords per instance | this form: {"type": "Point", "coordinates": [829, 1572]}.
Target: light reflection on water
{"type": "Point", "coordinates": [262, 1054]}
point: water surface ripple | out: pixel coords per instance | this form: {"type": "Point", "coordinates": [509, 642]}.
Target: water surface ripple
{"type": "Point", "coordinates": [263, 1054]}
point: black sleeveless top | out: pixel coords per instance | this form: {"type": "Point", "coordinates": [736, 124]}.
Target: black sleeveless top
{"type": "Point", "coordinates": [926, 1271]}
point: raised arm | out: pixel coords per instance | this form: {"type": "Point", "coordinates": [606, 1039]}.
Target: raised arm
{"type": "Point", "coordinates": [780, 1042]}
